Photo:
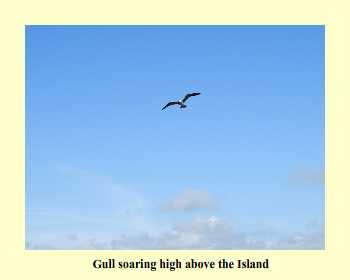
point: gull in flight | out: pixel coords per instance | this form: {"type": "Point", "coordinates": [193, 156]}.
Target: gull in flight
{"type": "Point", "coordinates": [182, 101]}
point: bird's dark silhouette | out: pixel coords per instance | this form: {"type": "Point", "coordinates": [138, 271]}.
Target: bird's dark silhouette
{"type": "Point", "coordinates": [182, 101]}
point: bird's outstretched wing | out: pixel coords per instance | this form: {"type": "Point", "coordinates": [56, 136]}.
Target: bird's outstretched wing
{"type": "Point", "coordinates": [171, 103]}
{"type": "Point", "coordinates": [187, 96]}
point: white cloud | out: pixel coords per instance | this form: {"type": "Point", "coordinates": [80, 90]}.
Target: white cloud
{"type": "Point", "coordinates": [125, 211]}
{"type": "Point", "coordinates": [200, 233]}
{"type": "Point", "coordinates": [307, 176]}
{"type": "Point", "coordinates": [302, 241]}
{"type": "Point", "coordinates": [72, 237]}
{"type": "Point", "coordinates": [209, 233]}
{"type": "Point", "coordinates": [191, 199]}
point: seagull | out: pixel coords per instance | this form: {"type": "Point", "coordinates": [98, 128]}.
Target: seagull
{"type": "Point", "coordinates": [182, 101]}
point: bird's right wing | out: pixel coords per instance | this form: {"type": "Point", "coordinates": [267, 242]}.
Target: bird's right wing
{"type": "Point", "coordinates": [170, 103]}
{"type": "Point", "coordinates": [187, 96]}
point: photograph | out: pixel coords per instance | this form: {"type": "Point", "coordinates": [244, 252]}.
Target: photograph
{"type": "Point", "coordinates": [174, 137]}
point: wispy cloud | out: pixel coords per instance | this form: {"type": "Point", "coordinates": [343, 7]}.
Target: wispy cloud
{"type": "Point", "coordinates": [210, 233]}
{"type": "Point", "coordinates": [72, 237]}
{"type": "Point", "coordinates": [302, 241]}
{"type": "Point", "coordinates": [191, 199]}
{"type": "Point", "coordinates": [130, 225]}
{"type": "Point", "coordinates": [307, 176]}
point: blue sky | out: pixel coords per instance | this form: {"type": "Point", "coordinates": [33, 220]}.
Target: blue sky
{"type": "Point", "coordinates": [240, 168]}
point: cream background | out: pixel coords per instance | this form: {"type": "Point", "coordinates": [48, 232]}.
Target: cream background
{"type": "Point", "coordinates": [17, 263]}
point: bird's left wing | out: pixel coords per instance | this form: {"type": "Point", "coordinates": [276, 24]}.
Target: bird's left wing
{"type": "Point", "coordinates": [187, 96]}
{"type": "Point", "coordinates": [169, 104]}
